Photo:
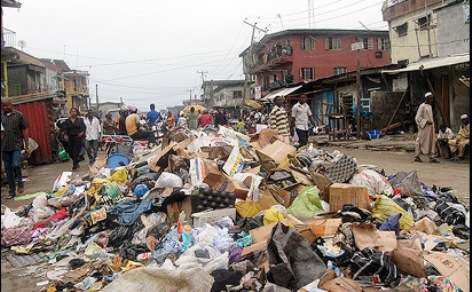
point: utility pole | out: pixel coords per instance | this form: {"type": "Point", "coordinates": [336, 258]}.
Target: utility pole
{"type": "Point", "coordinates": [202, 73]}
{"type": "Point", "coordinates": [254, 27]}
{"type": "Point", "coordinates": [96, 95]}
{"type": "Point", "coordinates": [358, 88]}
{"type": "Point", "coordinates": [311, 14]}
{"type": "Point", "coordinates": [190, 94]}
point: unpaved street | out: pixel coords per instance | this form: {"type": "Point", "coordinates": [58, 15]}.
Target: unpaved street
{"type": "Point", "coordinates": [445, 173]}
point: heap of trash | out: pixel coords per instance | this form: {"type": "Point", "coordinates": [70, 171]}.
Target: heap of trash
{"type": "Point", "coordinates": [216, 210]}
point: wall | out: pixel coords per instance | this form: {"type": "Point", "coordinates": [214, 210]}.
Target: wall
{"type": "Point", "coordinates": [224, 97]}
{"type": "Point", "coordinates": [406, 47]}
{"type": "Point", "coordinates": [16, 80]}
{"type": "Point", "coordinates": [453, 31]}
{"type": "Point", "coordinates": [323, 60]}
{"type": "Point", "coordinates": [50, 80]}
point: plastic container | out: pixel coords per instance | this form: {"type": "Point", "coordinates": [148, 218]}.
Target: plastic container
{"type": "Point", "coordinates": [374, 134]}
{"type": "Point", "coordinates": [116, 160]}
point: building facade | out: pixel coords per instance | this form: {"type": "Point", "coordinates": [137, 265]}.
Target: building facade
{"type": "Point", "coordinates": [303, 55]}
{"type": "Point", "coordinates": [453, 28]}
{"type": "Point", "coordinates": [76, 89]}
{"type": "Point", "coordinates": [420, 29]}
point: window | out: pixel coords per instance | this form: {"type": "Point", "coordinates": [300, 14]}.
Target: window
{"type": "Point", "coordinates": [275, 78]}
{"type": "Point", "coordinates": [333, 43]}
{"type": "Point", "coordinates": [308, 43]}
{"type": "Point", "coordinates": [340, 70]}
{"type": "Point", "coordinates": [402, 30]}
{"type": "Point", "coordinates": [237, 94]}
{"type": "Point", "coordinates": [424, 22]}
{"type": "Point", "coordinates": [307, 73]}
{"type": "Point", "coordinates": [383, 44]}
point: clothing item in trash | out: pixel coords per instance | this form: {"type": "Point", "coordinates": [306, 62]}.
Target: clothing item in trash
{"type": "Point", "coordinates": [392, 223]}
{"type": "Point", "coordinates": [223, 278]}
{"type": "Point", "coordinates": [129, 211]}
{"type": "Point", "coordinates": [140, 190]}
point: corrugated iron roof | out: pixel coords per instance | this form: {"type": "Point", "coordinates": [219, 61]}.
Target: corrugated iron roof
{"type": "Point", "coordinates": [432, 63]}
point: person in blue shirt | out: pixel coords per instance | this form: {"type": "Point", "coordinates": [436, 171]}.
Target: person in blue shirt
{"type": "Point", "coordinates": [153, 116]}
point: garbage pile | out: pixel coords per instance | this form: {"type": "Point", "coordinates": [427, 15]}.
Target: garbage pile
{"type": "Point", "coordinates": [216, 210]}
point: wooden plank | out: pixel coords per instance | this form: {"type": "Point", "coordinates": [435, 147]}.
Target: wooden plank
{"type": "Point", "coordinates": [397, 108]}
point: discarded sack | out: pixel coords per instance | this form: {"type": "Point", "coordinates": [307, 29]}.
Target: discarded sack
{"type": "Point", "coordinates": [293, 264]}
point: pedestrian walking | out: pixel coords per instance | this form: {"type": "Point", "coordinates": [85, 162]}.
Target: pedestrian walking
{"type": "Point", "coordinates": [93, 132]}
{"type": "Point", "coordinates": [301, 115]}
{"type": "Point", "coordinates": [75, 129]}
{"type": "Point", "coordinates": [153, 116]}
{"type": "Point", "coordinates": [192, 119]}
{"type": "Point", "coordinates": [220, 118]}
{"type": "Point", "coordinates": [109, 125]}
{"type": "Point", "coordinates": [279, 120]}
{"type": "Point", "coordinates": [426, 139]}
{"type": "Point", "coordinates": [14, 138]}
{"type": "Point", "coordinates": [205, 119]}
{"type": "Point", "coordinates": [182, 120]}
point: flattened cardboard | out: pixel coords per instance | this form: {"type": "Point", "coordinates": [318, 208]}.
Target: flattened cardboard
{"type": "Point", "coordinates": [325, 227]}
{"type": "Point", "coordinates": [425, 225]}
{"type": "Point", "coordinates": [367, 235]}
{"type": "Point", "coordinates": [455, 268]}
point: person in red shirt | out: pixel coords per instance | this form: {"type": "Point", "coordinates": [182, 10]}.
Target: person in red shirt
{"type": "Point", "coordinates": [205, 119]}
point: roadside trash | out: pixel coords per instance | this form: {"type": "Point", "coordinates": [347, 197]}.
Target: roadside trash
{"type": "Point", "coordinates": [216, 210]}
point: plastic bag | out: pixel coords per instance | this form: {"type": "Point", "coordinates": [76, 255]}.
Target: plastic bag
{"type": "Point", "coordinates": [293, 263]}
{"type": "Point", "coordinates": [247, 208]}
{"type": "Point", "coordinates": [211, 261]}
{"type": "Point", "coordinates": [120, 175]}
{"type": "Point", "coordinates": [10, 219]}
{"type": "Point", "coordinates": [40, 210]}
{"type": "Point", "coordinates": [166, 278]}
{"type": "Point", "coordinates": [169, 180]}
{"type": "Point", "coordinates": [385, 207]}
{"type": "Point", "coordinates": [307, 204]}
{"type": "Point", "coordinates": [407, 183]}
{"type": "Point", "coordinates": [275, 214]}
{"type": "Point", "coordinates": [375, 183]}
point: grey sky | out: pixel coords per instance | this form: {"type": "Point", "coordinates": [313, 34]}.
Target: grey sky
{"type": "Point", "coordinates": [149, 51]}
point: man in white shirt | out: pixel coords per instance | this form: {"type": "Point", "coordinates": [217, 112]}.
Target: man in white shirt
{"type": "Point", "coordinates": [93, 133]}
{"type": "Point", "coordinates": [301, 114]}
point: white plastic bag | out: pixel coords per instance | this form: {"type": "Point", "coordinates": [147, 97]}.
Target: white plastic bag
{"type": "Point", "coordinates": [375, 183]}
{"type": "Point", "coordinates": [10, 219]}
{"type": "Point", "coordinates": [169, 180]}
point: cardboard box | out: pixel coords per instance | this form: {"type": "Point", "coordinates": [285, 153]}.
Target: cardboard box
{"type": "Point", "coordinates": [367, 235]}
{"type": "Point", "coordinates": [341, 194]}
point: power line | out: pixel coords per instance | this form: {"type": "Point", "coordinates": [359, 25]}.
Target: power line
{"type": "Point", "coordinates": [302, 12]}
{"type": "Point", "coordinates": [347, 13]}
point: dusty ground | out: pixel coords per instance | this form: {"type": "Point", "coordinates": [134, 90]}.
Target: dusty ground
{"type": "Point", "coordinates": [446, 173]}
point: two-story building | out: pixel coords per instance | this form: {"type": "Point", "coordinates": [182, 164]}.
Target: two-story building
{"type": "Point", "coordinates": [76, 89]}
{"type": "Point", "coordinates": [431, 38]}
{"type": "Point", "coordinates": [300, 55]}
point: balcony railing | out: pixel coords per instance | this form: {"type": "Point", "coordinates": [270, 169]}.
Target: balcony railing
{"type": "Point", "coordinates": [8, 38]}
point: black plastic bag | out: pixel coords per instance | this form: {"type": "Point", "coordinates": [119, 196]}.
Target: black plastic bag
{"type": "Point", "coordinates": [368, 263]}
{"type": "Point", "coordinates": [292, 262]}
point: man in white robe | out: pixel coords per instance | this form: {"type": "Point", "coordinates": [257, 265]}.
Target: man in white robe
{"type": "Point", "coordinates": [426, 139]}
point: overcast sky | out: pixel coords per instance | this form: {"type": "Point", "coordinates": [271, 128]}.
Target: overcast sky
{"type": "Point", "coordinates": [150, 51]}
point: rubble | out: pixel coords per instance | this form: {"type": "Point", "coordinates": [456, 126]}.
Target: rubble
{"type": "Point", "coordinates": [216, 210]}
